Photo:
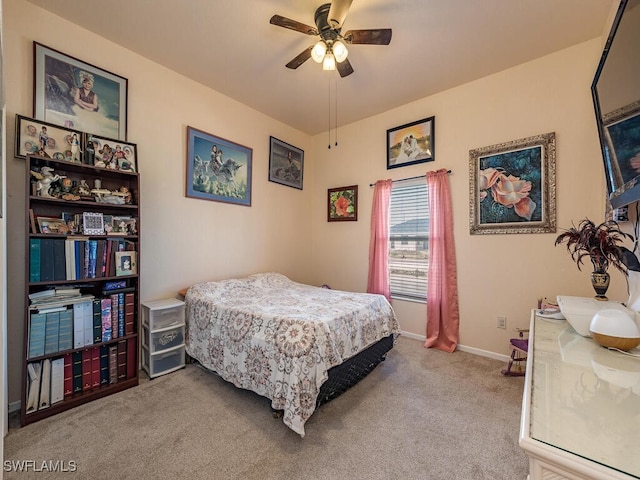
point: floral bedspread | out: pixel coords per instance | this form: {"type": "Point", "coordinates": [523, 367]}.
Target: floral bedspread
{"type": "Point", "coordinates": [279, 338]}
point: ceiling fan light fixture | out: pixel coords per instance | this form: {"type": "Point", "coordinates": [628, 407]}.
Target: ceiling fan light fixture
{"type": "Point", "coordinates": [339, 51]}
{"type": "Point", "coordinates": [318, 51]}
{"type": "Point", "coordinates": [329, 62]}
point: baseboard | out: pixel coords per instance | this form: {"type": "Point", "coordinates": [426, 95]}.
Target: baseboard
{"type": "Point", "coordinates": [14, 406]}
{"type": "Point", "coordinates": [463, 348]}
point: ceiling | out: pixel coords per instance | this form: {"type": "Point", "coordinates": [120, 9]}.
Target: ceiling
{"type": "Point", "coordinates": [230, 46]}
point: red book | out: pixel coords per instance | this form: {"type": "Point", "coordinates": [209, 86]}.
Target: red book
{"type": "Point", "coordinates": [129, 313]}
{"type": "Point", "coordinates": [122, 360]}
{"type": "Point", "coordinates": [68, 375]}
{"type": "Point", "coordinates": [86, 369]}
{"type": "Point", "coordinates": [132, 357]}
{"type": "Point", "coordinates": [95, 367]}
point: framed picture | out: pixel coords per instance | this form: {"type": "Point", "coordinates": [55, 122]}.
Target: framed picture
{"type": "Point", "coordinates": [121, 225]}
{"type": "Point", "coordinates": [218, 169]}
{"type": "Point", "coordinates": [92, 223]}
{"type": "Point", "coordinates": [126, 263]}
{"type": "Point", "coordinates": [622, 137]}
{"type": "Point", "coordinates": [71, 93]}
{"type": "Point", "coordinates": [513, 186]}
{"type": "Point", "coordinates": [112, 154]}
{"type": "Point", "coordinates": [342, 204]}
{"type": "Point", "coordinates": [52, 225]}
{"type": "Point", "coordinates": [34, 137]}
{"type": "Point", "coordinates": [411, 143]}
{"type": "Point", "coordinates": [286, 163]}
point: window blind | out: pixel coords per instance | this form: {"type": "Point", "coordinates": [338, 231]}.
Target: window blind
{"type": "Point", "coordinates": [409, 240]}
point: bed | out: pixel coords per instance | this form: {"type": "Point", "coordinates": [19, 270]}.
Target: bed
{"type": "Point", "coordinates": [296, 344]}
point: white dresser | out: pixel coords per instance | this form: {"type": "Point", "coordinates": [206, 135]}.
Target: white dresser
{"type": "Point", "coordinates": [581, 407]}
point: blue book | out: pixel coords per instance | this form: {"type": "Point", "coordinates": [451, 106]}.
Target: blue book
{"type": "Point", "coordinates": [93, 257]}
{"type": "Point", "coordinates": [107, 333]}
{"type": "Point", "coordinates": [65, 332]}
{"type": "Point", "coordinates": [52, 331]}
{"type": "Point", "coordinates": [37, 323]}
{"type": "Point", "coordinates": [121, 314]}
{"type": "Point", "coordinates": [34, 260]}
{"type": "Point", "coordinates": [97, 320]}
{"type": "Point", "coordinates": [59, 259]}
{"type": "Point", "coordinates": [104, 364]}
{"type": "Point", "coordinates": [78, 247]}
{"type": "Point", "coordinates": [46, 260]}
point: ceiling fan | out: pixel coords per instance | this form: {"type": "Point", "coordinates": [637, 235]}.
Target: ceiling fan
{"type": "Point", "coordinates": [331, 50]}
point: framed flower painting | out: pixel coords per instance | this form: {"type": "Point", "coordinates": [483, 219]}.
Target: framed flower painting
{"type": "Point", "coordinates": [342, 204]}
{"type": "Point", "coordinates": [513, 186]}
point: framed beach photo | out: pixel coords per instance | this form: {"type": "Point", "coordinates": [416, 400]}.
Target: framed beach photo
{"type": "Point", "coordinates": [218, 169]}
{"type": "Point", "coordinates": [286, 163]}
{"type": "Point", "coordinates": [342, 204]}
{"type": "Point", "coordinates": [112, 154]}
{"type": "Point", "coordinates": [74, 94]}
{"type": "Point", "coordinates": [34, 137]}
{"type": "Point", "coordinates": [411, 143]}
{"type": "Point", "coordinates": [513, 186]}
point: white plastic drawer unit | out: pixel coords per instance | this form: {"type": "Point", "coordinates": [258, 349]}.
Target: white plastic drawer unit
{"type": "Point", "coordinates": [162, 362]}
{"type": "Point", "coordinates": [165, 313]}
{"type": "Point", "coordinates": [164, 339]}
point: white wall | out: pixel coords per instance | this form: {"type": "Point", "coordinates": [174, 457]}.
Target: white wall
{"type": "Point", "coordinates": [498, 275]}
{"type": "Point", "coordinates": [183, 240]}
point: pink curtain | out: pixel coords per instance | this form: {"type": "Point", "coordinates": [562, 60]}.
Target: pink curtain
{"type": "Point", "coordinates": [443, 316]}
{"type": "Point", "coordinates": [378, 281]}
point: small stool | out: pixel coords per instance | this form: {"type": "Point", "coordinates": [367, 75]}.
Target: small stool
{"type": "Point", "coordinates": [519, 349]}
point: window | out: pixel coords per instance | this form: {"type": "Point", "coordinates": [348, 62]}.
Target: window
{"type": "Point", "coordinates": [409, 240]}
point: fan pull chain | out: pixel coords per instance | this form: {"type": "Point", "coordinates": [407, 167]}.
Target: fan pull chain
{"type": "Point", "coordinates": [329, 129]}
{"type": "Point", "coordinates": [336, 95]}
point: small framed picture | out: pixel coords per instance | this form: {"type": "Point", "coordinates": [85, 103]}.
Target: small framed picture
{"type": "Point", "coordinates": [92, 223]}
{"type": "Point", "coordinates": [122, 226]}
{"type": "Point", "coordinates": [286, 164]}
{"type": "Point", "coordinates": [112, 154]}
{"type": "Point", "coordinates": [34, 137]}
{"type": "Point", "coordinates": [126, 263]}
{"type": "Point", "coordinates": [52, 225]}
{"type": "Point", "coordinates": [342, 204]}
{"type": "Point", "coordinates": [411, 143]}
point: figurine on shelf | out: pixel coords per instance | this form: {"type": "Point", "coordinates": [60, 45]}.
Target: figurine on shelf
{"type": "Point", "coordinates": [89, 153]}
{"type": "Point", "coordinates": [75, 149]}
{"type": "Point", "coordinates": [83, 188]}
{"type": "Point", "coordinates": [44, 180]}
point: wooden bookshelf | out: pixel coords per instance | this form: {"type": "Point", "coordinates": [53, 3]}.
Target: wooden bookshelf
{"type": "Point", "coordinates": [92, 276]}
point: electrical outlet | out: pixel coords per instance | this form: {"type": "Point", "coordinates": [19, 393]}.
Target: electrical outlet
{"type": "Point", "coordinates": [502, 322]}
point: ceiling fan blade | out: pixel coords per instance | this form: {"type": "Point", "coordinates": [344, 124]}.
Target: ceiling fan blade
{"type": "Point", "coordinates": [300, 59]}
{"type": "Point", "coordinates": [344, 68]}
{"type": "Point", "coordinates": [374, 36]}
{"type": "Point", "coordinates": [338, 12]}
{"type": "Point", "coordinates": [293, 25]}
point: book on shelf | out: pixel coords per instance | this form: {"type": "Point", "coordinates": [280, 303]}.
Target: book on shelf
{"type": "Point", "coordinates": [59, 259]}
{"type": "Point", "coordinates": [46, 260]}
{"type": "Point", "coordinates": [129, 313]}
{"type": "Point", "coordinates": [57, 380]}
{"type": "Point", "coordinates": [113, 363]}
{"type": "Point", "coordinates": [77, 371]}
{"type": "Point", "coordinates": [132, 357]}
{"type": "Point", "coordinates": [104, 365]}
{"type": "Point", "coordinates": [68, 374]}
{"type": "Point", "coordinates": [65, 332]}
{"type": "Point", "coordinates": [37, 334]}
{"type": "Point", "coordinates": [45, 385]}
{"type": "Point", "coordinates": [86, 369]}
{"type": "Point", "coordinates": [107, 328]}
{"type": "Point", "coordinates": [34, 370]}
{"type": "Point", "coordinates": [35, 246]}
{"type": "Point", "coordinates": [63, 301]}
{"type": "Point", "coordinates": [122, 360]}
{"type": "Point", "coordinates": [52, 333]}
{"type": "Point", "coordinates": [95, 367]}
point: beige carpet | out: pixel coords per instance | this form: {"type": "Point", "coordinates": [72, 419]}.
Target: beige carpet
{"type": "Point", "coordinates": [421, 414]}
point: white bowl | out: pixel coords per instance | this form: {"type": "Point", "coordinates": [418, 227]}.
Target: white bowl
{"type": "Point", "coordinates": [615, 328]}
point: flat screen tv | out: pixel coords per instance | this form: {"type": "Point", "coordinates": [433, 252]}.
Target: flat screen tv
{"type": "Point", "coordinates": [616, 97]}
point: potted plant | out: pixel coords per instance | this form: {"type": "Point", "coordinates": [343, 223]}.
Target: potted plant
{"type": "Point", "coordinates": [602, 245]}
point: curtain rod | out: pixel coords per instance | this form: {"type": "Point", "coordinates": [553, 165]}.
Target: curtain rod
{"type": "Point", "coordinates": [405, 179]}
